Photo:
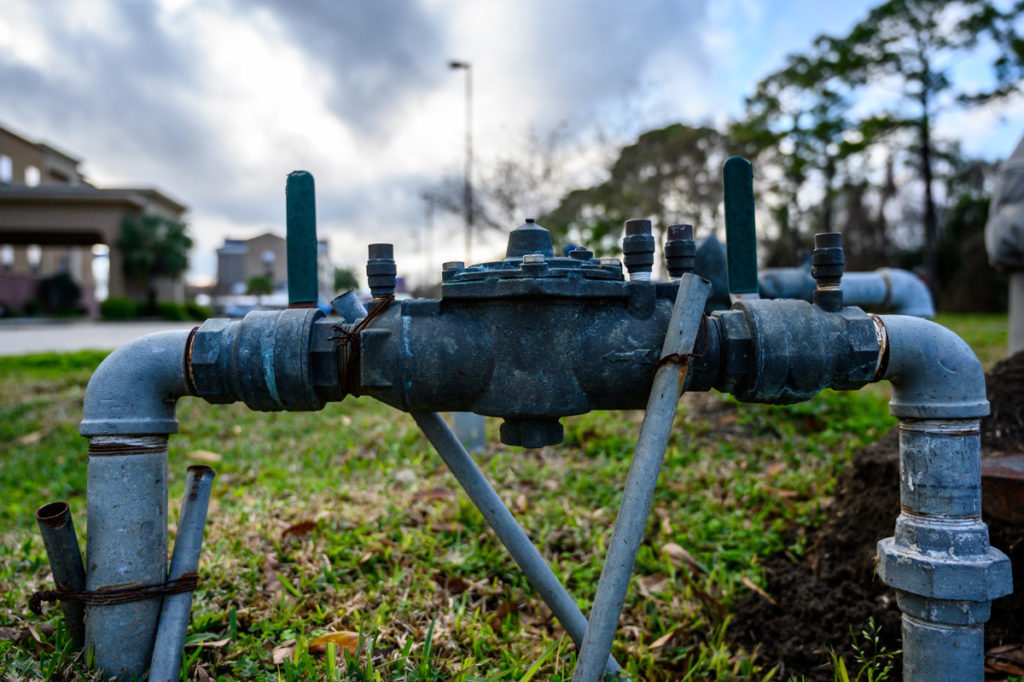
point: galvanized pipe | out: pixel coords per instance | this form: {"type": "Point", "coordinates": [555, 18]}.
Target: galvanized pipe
{"type": "Point", "coordinates": [61, 542]}
{"type": "Point", "coordinates": [939, 560]}
{"type": "Point", "coordinates": [126, 546]}
{"type": "Point", "coordinates": [669, 382]}
{"type": "Point", "coordinates": [511, 534]}
{"type": "Point", "coordinates": [885, 289]}
{"type": "Point", "coordinates": [127, 415]}
{"type": "Point", "coordinates": [188, 543]}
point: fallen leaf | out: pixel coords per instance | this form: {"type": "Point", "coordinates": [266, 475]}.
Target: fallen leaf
{"type": "Point", "coordinates": [649, 584]}
{"type": "Point", "coordinates": [236, 430]}
{"type": "Point", "coordinates": [666, 526]}
{"type": "Point", "coordinates": [300, 528]}
{"type": "Point", "coordinates": [679, 553]}
{"type": "Point", "coordinates": [521, 504]}
{"type": "Point", "coordinates": [202, 675]}
{"type": "Point", "coordinates": [750, 583]}
{"type": "Point", "coordinates": [451, 583]}
{"type": "Point", "coordinates": [728, 419]}
{"type": "Point", "coordinates": [343, 639]}
{"type": "Point", "coordinates": [30, 438]}
{"type": "Point", "coordinates": [663, 640]}
{"type": "Point", "coordinates": [203, 456]}
{"type": "Point", "coordinates": [209, 644]}
{"type": "Point", "coordinates": [774, 468]}
{"type": "Point", "coordinates": [9, 633]}
{"type": "Point", "coordinates": [283, 652]}
{"type": "Point", "coordinates": [432, 494]}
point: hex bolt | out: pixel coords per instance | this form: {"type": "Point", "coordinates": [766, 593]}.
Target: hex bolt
{"type": "Point", "coordinates": [827, 261]}
{"type": "Point", "coordinates": [581, 253]}
{"type": "Point", "coordinates": [638, 249]}
{"type": "Point", "coordinates": [680, 250]}
{"type": "Point", "coordinates": [451, 268]}
{"type": "Point", "coordinates": [380, 270]}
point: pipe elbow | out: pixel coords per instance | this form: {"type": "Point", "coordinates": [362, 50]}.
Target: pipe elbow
{"type": "Point", "coordinates": [908, 294]}
{"type": "Point", "coordinates": [934, 373]}
{"type": "Point", "coordinates": [135, 389]}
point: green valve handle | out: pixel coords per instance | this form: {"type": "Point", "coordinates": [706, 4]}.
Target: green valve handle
{"type": "Point", "coordinates": [300, 208]}
{"type": "Point", "coordinates": [740, 234]}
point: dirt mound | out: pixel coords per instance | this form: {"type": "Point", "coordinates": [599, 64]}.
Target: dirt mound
{"type": "Point", "coordinates": [834, 586]}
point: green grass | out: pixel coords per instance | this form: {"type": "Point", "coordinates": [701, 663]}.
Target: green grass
{"type": "Point", "coordinates": [399, 555]}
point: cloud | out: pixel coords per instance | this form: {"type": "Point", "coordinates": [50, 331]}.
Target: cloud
{"type": "Point", "coordinates": [379, 55]}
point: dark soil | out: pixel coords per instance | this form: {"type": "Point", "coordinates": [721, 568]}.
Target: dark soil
{"type": "Point", "coordinates": [833, 587]}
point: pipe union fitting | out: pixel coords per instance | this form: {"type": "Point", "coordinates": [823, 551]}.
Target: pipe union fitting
{"type": "Point", "coordinates": [263, 360]}
{"type": "Point", "coordinates": [979, 578]}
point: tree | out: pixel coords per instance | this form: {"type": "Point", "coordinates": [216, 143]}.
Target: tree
{"type": "Point", "coordinates": [259, 286]}
{"type": "Point", "coordinates": [916, 44]}
{"type": "Point", "coordinates": [670, 175]}
{"type": "Point", "coordinates": [345, 279]}
{"type": "Point", "coordinates": [153, 246]}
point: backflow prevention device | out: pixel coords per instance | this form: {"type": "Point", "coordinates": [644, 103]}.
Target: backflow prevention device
{"type": "Point", "coordinates": [530, 339]}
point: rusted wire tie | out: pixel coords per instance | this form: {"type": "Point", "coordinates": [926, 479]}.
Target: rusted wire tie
{"type": "Point", "coordinates": [684, 358]}
{"type": "Point", "coordinates": [350, 338]}
{"type": "Point", "coordinates": [121, 595]}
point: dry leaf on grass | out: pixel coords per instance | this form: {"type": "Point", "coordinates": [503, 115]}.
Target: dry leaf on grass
{"type": "Point", "coordinates": [300, 528]}
{"type": "Point", "coordinates": [681, 556]}
{"type": "Point", "coordinates": [283, 652]}
{"type": "Point", "coordinates": [30, 438]}
{"type": "Point", "coordinates": [203, 456]}
{"type": "Point", "coordinates": [452, 584]}
{"type": "Point", "coordinates": [521, 503]}
{"type": "Point", "coordinates": [774, 468]}
{"type": "Point", "coordinates": [663, 640]}
{"type": "Point", "coordinates": [750, 584]}
{"type": "Point", "coordinates": [209, 644]}
{"type": "Point", "coordinates": [649, 584]}
{"type": "Point", "coordinates": [202, 675]}
{"type": "Point", "coordinates": [343, 639]}
{"type": "Point", "coordinates": [432, 494]}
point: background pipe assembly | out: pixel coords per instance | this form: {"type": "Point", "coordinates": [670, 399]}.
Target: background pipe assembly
{"type": "Point", "coordinates": [530, 339]}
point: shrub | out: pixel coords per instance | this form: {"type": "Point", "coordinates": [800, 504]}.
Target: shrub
{"type": "Point", "coordinates": [197, 312]}
{"type": "Point", "coordinates": [171, 311]}
{"type": "Point", "coordinates": [118, 308]}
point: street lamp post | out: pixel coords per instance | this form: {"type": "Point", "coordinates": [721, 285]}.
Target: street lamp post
{"type": "Point", "coordinates": [467, 197]}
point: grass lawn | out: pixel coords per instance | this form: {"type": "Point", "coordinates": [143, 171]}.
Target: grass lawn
{"type": "Point", "coordinates": [346, 521]}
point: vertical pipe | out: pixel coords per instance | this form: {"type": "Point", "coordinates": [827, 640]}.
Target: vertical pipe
{"type": "Point", "coordinates": [170, 634]}
{"type": "Point", "coordinates": [643, 476]}
{"type": "Point", "coordinates": [58, 531]}
{"type": "Point", "coordinates": [740, 233]}
{"type": "Point", "coordinates": [1016, 322]}
{"type": "Point", "coordinates": [126, 546]}
{"type": "Point", "coordinates": [939, 560]}
{"type": "Point", "coordinates": [300, 205]}
{"type": "Point", "coordinates": [507, 529]}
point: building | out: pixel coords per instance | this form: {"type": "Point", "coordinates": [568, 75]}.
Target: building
{"type": "Point", "coordinates": [51, 217]}
{"type": "Point", "coordinates": [239, 260]}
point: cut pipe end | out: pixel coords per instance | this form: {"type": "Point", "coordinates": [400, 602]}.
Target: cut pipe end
{"type": "Point", "coordinates": [54, 514]}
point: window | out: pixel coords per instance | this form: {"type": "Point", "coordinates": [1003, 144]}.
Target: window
{"type": "Point", "coordinates": [6, 168]}
{"type": "Point", "coordinates": [31, 176]}
{"type": "Point", "coordinates": [6, 257]}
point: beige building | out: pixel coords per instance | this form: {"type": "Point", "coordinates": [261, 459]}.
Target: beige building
{"type": "Point", "coordinates": [51, 217]}
{"type": "Point", "coordinates": [266, 255]}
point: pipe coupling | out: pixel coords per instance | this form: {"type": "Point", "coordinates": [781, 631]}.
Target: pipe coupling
{"type": "Point", "coordinates": [270, 360]}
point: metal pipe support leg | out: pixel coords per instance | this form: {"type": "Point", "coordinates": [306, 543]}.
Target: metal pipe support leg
{"type": "Point", "coordinates": [507, 529]}
{"type": "Point", "coordinates": [643, 477]}
{"type": "Point", "coordinates": [61, 542]}
{"type": "Point", "coordinates": [170, 634]}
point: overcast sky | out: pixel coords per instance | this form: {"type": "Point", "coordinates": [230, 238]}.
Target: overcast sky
{"type": "Point", "coordinates": [215, 101]}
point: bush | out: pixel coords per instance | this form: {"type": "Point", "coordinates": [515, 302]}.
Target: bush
{"type": "Point", "coordinates": [171, 311]}
{"type": "Point", "coordinates": [118, 308]}
{"type": "Point", "coordinates": [197, 312]}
